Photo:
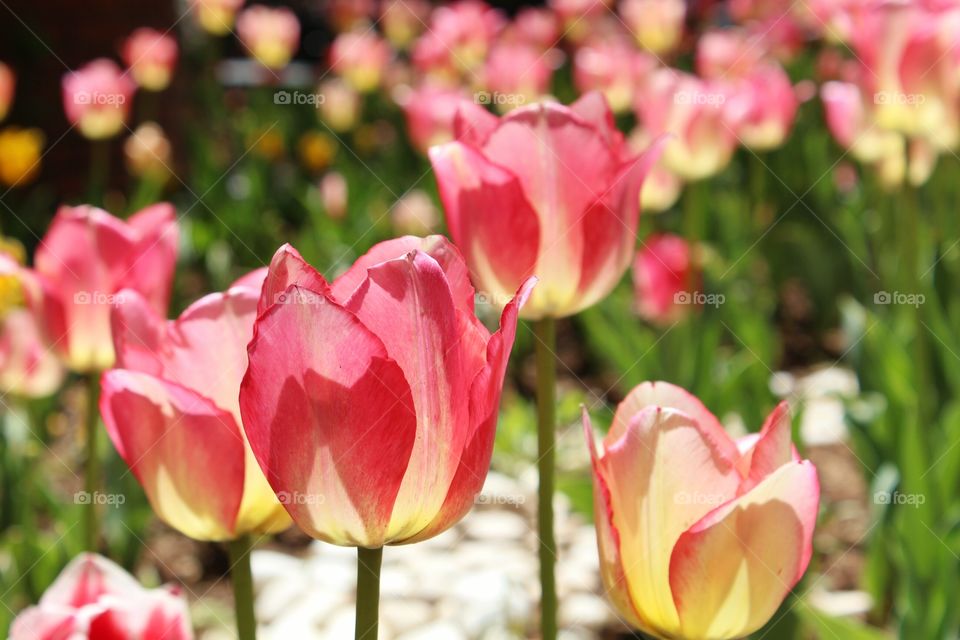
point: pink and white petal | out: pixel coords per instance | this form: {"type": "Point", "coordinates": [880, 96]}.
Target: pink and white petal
{"type": "Point", "coordinates": [138, 333]}
{"type": "Point", "coordinates": [730, 571]}
{"type": "Point", "coordinates": [472, 124]}
{"type": "Point", "coordinates": [46, 622]}
{"type": "Point", "coordinates": [484, 407]}
{"type": "Point", "coordinates": [86, 579]}
{"type": "Point", "coordinates": [288, 267]}
{"type": "Point", "coordinates": [489, 218]}
{"type": "Point", "coordinates": [593, 108]}
{"type": "Point", "coordinates": [252, 280]}
{"type": "Point", "coordinates": [186, 452]}
{"type": "Point", "coordinates": [772, 449]}
{"type": "Point", "coordinates": [407, 303]}
{"type": "Point", "coordinates": [670, 396]}
{"type": "Point", "coordinates": [155, 254]}
{"type": "Point", "coordinates": [330, 418]}
{"type": "Point", "coordinates": [664, 472]}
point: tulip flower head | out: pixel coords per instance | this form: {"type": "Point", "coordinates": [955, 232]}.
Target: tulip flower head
{"type": "Point", "coordinates": [662, 278]}
{"type": "Point", "coordinates": [216, 16]}
{"type": "Point", "coordinates": [172, 412]}
{"type": "Point", "coordinates": [360, 58]}
{"type": "Point", "coordinates": [371, 402]}
{"type": "Point", "coordinates": [29, 367]}
{"type": "Point", "coordinates": [150, 56]}
{"type": "Point", "coordinates": [514, 74]}
{"type": "Point", "coordinates": [7, 83]}
{"type": "Point", "coordinates": [20, 153]}
{"type": "Point", "coordinates": [95, 598]}
{"type": "Point", "coordinates": [97, 97]}
{"type": "Point", "coordinates": [403, 20]}
{"type": "Point", "coordinates": [147, 152]}
{"type": "Point", "coordinates": [84, 261]}
{"type": "Point", "coordinates": [547, 190]}
{"type": "Point", "coordinates": [430, 111]}
{"type": "Point", "coordinates": [270, 34]}
{"type": "Point", "coordinates": [700, 536]}
{"type": "Point", "coordinates": [657, 25]}
{"type": "Point", "coordinates": [613, 67]}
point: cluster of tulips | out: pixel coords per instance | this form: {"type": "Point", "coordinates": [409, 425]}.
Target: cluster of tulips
{"type": "Point", "coordinates": [363, 409]}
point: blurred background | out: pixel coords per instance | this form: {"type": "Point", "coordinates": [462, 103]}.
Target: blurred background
{"type": "Point", "coordinates": [798, 241]}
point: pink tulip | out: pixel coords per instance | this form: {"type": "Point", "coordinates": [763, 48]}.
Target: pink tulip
{"type": "Point", "coordinates": [700, 536]}
{"type": "Point", "coordinates": [347, 15]}
{"type": "Point", "coordinates": [728, 54]}
{"type": "Point", "coordinates": [768, 105]}
{"type": "Point", "coordinates": [371, 402]}
{"type": "Point", "coordinates": [458, 39]}
{"type": "Point", "coordinates": [360, 57]}
{"type": "Point", "coordinates": [86, 257]}
{"type": "Point", "coordinates": [546, 190]}
{"type": "Point", "coordinates": [579, 18]}
{"type": "Point", "coordinates": [663, 274]}
{"type": "Point", "coordinates": [430, 111]}
{"type": "Point", "coordinates": [95, 599]}
{"type": "Point", "coordinates": [7, 83]}
{"type": "Point", "coordinates": [216, 16]}
{"type": "Point", "coordinates": [270, 34]}
{"type": "Point", "coordinates": [697, 114]}
{"type": "Point", "coordinates": [29, 367]}
{"type": "Point", "coordinates": [657, 25]}
{"type": "Point", "coordinates": [535, 26]}
{"type": "Point", "coordinates": [150, 57]}
{"type": "Point", "coordinates": [171, 407]}
{"type": "Point", "coordinates": [614, 67]}
{"type": "Point", "coordinates": [341, 105]}
{"type": "Point", "coordinates": [403, 20]}
{"type": "Point", "coordinates": [97, 97]}
{"type": "Point", "coordinates": [514, 74]}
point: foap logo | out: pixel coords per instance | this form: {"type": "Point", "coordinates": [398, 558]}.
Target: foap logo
{"type": "Point", "coordinates": [895, 497]}
{"type": "Point", "coordinates": [97, 297]}
{"type": "Point", "coordinates": [699, 498]}
{"type": "Point", "coordinates": [97, 98]}
{"type": "Point", "coordinates": [499, 99]}
{"type": "Point", "coordinates": [299, 296]}
{"type": "Point", "coordinates": [110, 499]}
{"type": "Point", "coordinates": [898, 98]}
{"type": "Point", "coordinates": [510, 500]}
{"type": "Point", "coordinates": [699, 298]}
{"type": "Point", "coordinates": [298, 98]}
{"type": "Point", "coordinates": [296, 497]}
{"type": "Point", "coordinates": [496, 300]}
{"type": "Point", "coordinates": [700, 98]}
{"type": "Point", "coordinates": [899, 298]}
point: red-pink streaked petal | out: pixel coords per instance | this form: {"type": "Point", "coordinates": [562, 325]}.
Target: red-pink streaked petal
{"type": "Point", "coordinates": [330, 418]}
{"type": "Point", "coordinates": [87, 578]}
{"type": "Point", "coordinates": [186, 452]}
{"type": "Point", "coordinates": [730, 571]}
{"type": "Point", "coordinates": [288, 267]}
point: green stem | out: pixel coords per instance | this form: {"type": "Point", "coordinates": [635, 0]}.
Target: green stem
{"type": "Point", "coordinates": [242, 579]}
{"type": "Point", "coordinates": [368, 593]}
{"type": "Point", "coordinates": [911, 245]}
{"type": "Point", "coordinates": [92, 467]}
{"type": "Point", "coordinates": [99, 171]}
{"type": "Point", "coordinates": [546, 338]}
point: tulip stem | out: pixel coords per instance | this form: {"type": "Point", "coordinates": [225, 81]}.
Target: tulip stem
{"type": "Point", "coordinates": [368, 593]}
{"type": "Point", "coordinates": [545, 331]}
{"type": "Point", "coordinates": [92, 467]}
{"type": "Point", "coordinates": [99, 171]}
{"type": "Point", "coordinates": [242, 579]}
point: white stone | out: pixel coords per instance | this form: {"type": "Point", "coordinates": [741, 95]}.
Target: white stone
{"type": "Point", "coordinates": [269, 565]}
{"type": "Point", "coordinates": [584, 610]}
{"type": "Point", "coordinates": [405, 614]}
{"type": "Point", "coordinates": [496, 525]}
{"type": "Point", "coordinates": [276, 597]}
{"type": "Point", "coordinates": [440, 630]}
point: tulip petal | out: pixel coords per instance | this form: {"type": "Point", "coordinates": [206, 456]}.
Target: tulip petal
{"type": "Point", "coordinates": [186, 452]}
{"type": "Point", "coordinates": [654, 498]}
{"type": "Point", "coordinates": [330, 418]}
{"type": "Point", "coordinates": [484, 405]}
{"type": "Point", "coordinates": [288, 267]}
{"type": "Point", "coordinates": [730, 572]}
{"type": "Point", "coordinates": [85, 579]}
{"type": "Point", "coordinates": [489, 217]}
{"type": "Point", "coordinates": [407, 303]}
{"type": "Point", "coordinates": [594, 109]}
{"type": "Point", "coordinates": [772, 449]}
{"type": "Point", "coordinates": [472, 124]}
{"type": "Point", "coordinates": [155, 253]}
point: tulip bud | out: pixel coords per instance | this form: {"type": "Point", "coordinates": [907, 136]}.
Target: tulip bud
{"type": "Point", "coordinates": [7, 83]}
{"type": "Point", "coordinates": [147, 152]}
{"type": "Point", "coordinates": [547, 190]}
{"type": "Point", "coordinates": [340, 107]}
{"type": "Point", "coordinates": [20, 154]}
{"type": "Point", "coordinates": [271, 35]}
{"type": "Point", "coordinates": [216, 16]}
{"type": "Point", "coordinates": [150, 56]}
{"type": "Point", "coordinates": [699, 536]}
{"type": "Point", "coordinates": [97, 97]}
{"type": "Point", "coordinates": [371, 402]}
{"type": "Point", "coordinates": [95, 598]}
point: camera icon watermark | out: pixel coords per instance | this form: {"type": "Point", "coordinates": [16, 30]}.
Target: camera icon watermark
{"type": "Point", "coordinates": [283, 97]}
{"type": "Point", "coordinates": [899, 98]}
{"type": "Point", "coordinates": [99, 498]}
{"type": "Point", "coordinates": [699, 298]}
{"type": "Point", "coordinates": [510, 500]}
{"type": "Point", "coordinates": [499, 99]}
{"type": "Point", "coordinates": [100, 99]}
{"type": "Point", "coordinates": [899, 298]}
